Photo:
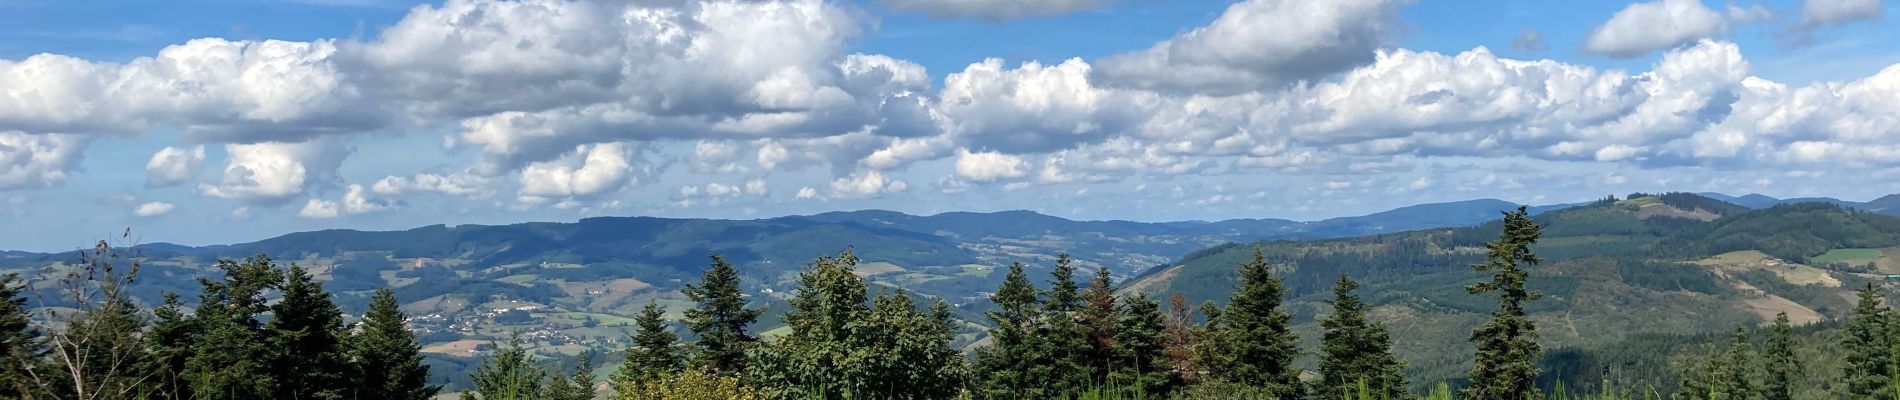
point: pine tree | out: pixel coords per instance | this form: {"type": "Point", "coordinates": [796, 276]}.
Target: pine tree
{"type": "Point", "coordinates": [1210, 350]}
{"type": "Point", "coordinates": [508, 374]}
{"type": "Point", "coordinates": [720, 320]}
{"type": "Point", "coordinates": [386, 356]}
{"type": "Point", "coordinates": [1008, 366]}
{"type": "Point", "coordinates": [306, 330]}
{"type": "Point", "coordinates": [1139, 348]}
{"type": "Point", "coordinates": [1735, 381]}
{"type": "Point", "coordinates": [1181, 339]}
{"type": "Point", "coordinates": [1257, 335]}
{"type": "Point", "coordinates": [231, 359]}
{"type": "Point", "coordinates": [1779, 362]}
{"type": "Point", "coordinates": [1100, 316]}
{"type": "Point", "coordinates": [1065, 349]}
{"type": "Point", "coordinates": [1354, 349]}
{"type": "Point", "coordinates": [20, 345]}
{"type": "Point", "coordinates": [577, 384]}
{"type": "Point", "coordinates": [168, 344]}
{"type": "Point", "coordinates": [652, 354]}
{"type": "Point", "coordinates": [1868, 347]}
{"type": "Point", "coordinates": [1506, 367]}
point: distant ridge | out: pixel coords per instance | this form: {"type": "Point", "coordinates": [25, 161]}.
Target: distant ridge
{"type": "Point", "coordinates": [1889, 204]}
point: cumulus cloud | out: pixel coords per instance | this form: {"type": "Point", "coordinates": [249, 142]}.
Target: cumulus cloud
{"type": "Point", "coordinates": [153, 209]}
{"type": "Point", "coordinates": [171, 166]}
{"type": "Point", "coordinates": [35, 161]}
{"type": "Point", "coordinates": [993, 9]}
{"type": "Point", "coordinates": [355, 201]}
{"type": "Point", "coordinates": [864, 184]}
{"type": "Point", "coordinates": [1033, 107]}
{"type": "Point", "coordinates": [1642, 28]}
{"type": "Point", "coordinates": [587, 171]}
{"type": "Point", "coordinates": [1260, 43]}
{"type": "Point", "coordinates": [989, 166]}
{"type": "Point", "coordinates": [457, 184]}
{"type": "Point", "coordinates": [274, 171]}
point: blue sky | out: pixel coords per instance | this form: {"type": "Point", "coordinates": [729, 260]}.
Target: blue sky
{"type": "Point", "coordinates": [205, 122]}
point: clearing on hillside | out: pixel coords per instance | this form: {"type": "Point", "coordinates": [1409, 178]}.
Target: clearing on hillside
{"type": "Point", "coordinates": [1847, 256]}
{"type": "Point", "coordinates": [1737, 261]}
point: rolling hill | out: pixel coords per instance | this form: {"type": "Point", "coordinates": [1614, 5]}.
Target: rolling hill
{"type": "Point", "coordinates": [1614, 270]}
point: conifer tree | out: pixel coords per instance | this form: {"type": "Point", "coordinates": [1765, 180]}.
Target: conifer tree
{"type": "Point", "coordinates": [232, 357]}
{"type": "Point", "coordinates": [577, 384]}
{"type": "Point", "coordinates": [1257, 335]}
{"type": "Point", "coordinates": [1868, 347]}
{"type": "Point", "coordinates": [1210, 339]}
{"type": "Point", "coordinates": [1065, 350]}
{"type": "Point", "coordinates": [720, 320]}
{"type": "Point", "coordinates": [386, 356]}
{"type": "Point", "coordinates": [507, 374]}
{"type": "Point", "coordinates": [97, 354]}
{"type": "Point", "coordinates": [1737, 375]}
{"type": "Point", "coordinates": [652, 354]}
{"type": "Point", "coordinates": [1007, 366]}
{"type": "Point", "coordinates": [1181, 344]}
{"type": "Point", "coordinates": [306, 330]}
{"type": "Point", "coordinates": [1354, 349]}
{"type": "Point", "coordinates": [1779, 362]}
{"type": "Point", "coordinates": [840, 348]}
{"type": "Point", "coordinates": [1506, 367]}
{"type": "Point", "coordinates": [1100, 317]}
{"type": "Point", "coordinates": [168, 344]}
{"type": "Point", "coordinates": [1139, 348]}
{"type": "Point", "coordinates": [20, 345]}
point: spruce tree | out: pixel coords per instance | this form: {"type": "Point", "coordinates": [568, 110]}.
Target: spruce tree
{"type": "Point", "coordinates": [1065, 349]}
{"type": "Point", "coordinates": [1007, 366]}
{"type": "Point", "coordinates": [168, 344]}
{"type": "Point", "coordinates": [1735, 379]}
{"type": "Point", "coordinates": [841, 348]}
{"type": "Point", "coordinates": [1181, 343]}
{"type": "Point", "coordinates": [1257, 336]}
{"type": "Point", "coordinates": [720, 320]}
{"type": "Point", "coordinates": [1139, 348]}
{"type": "Point", "coordinates": [386, 356]}
{"type": "Point", "coordinates": [508, 374]}
{"type": "Point", "coordinates": [577, 384]}
{"type": "Point", "coordinates": [232, 356]}
{"type": "Point", "coordinates": [652, 354]}
{"type": "Point", "coordinates": [97, 354]}
{"type": "Point", "coordinates": [1779, 362]}
{"type": "Point", "coordinates": [1506, 367]}
{"type": "Point", "coordinates": [1868, 347]}
{"type": "Point", "coordinates": [20, 345]}
{"type": "Point", "coordinates": [1355, 349]}
{"type": "Point", "coordinates": [306, 331]}
{"type": "Point", "coordinates": [1100, 316]}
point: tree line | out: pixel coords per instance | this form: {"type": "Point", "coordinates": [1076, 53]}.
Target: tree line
{"type": "Point", "coordinates": [846, 339]}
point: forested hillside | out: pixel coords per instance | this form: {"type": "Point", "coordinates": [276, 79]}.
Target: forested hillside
{"type": "Point", "coordinates": [1615, 270]}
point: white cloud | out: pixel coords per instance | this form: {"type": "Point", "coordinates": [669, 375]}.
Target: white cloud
{"type": "Point", "coordinates": [989, 166]}
{"type": "Point", "coordinates": [1818, 13]}
{"type": "Point", "coordinates": [355, 201]}
{"type": "Point", "coordinates": [273, 171]}
{"type": "Point", "coordinates": [1645, 27]}
{"type": "Point", "coordinates": [36, 161]}
{"type": "Point", "coordinates": [993, 9]}
{"type": "Point", "coordinates": [807, 193]}
{"type": "Point", "coordinates": [1031, 108]}
{"type": "Point", "coordinates": [171, 166]}
{"type": "Point", "coordinates": [715, 157]}
{"type": "Point", "coordinates": [153, 209]}
{"type": "Point", "coordinates": [865, 184]}
{"type": "Point", "coordinates": [1260, 43]}
{"type": "Point", "coordinates": [457, 184]}
{"type": "Point", "coordinates": [589, 170]}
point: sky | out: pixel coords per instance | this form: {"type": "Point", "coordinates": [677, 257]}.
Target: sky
{"type": "Point", "coordinates": [221, 121]}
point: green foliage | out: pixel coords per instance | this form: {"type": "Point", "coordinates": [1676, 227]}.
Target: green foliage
{"type": "Point", "coordinates": [1355, 349]}
{"type": "Point", "coordinates": [841, 348]}
{"type": "Point", "coordinates": [690, 384]}
{"type": "Point", "coordinates": [1065, 349]}
{"type": "Point", "coordinates": [1506, 366]}
{"type": "Point", "coordinates": [384, 353]}
{"type": "Point", "coordinates": [19, 342]}
{"type": "Point", "coordinates": [1008, 368]}
{"type": "Point", "coordinates": [508, 374]}
{"type": "Point", "coordinates": [652, 354]}
{"type": "Point", "coordinates": [577, 384]}
{"type": "Point", "coordinates": [720, 320]}
{"type": "Point", "coordinates": [1138, 350]}
{"type": "Point", "coordinates": [232, 358]}
{"type": "Point", "coordinates": [1100, 317]}
{"type": "Point", "coordinates": [168, 344]}
{"type": "Point", "coordinates": [1781, 367]}
{"type": "Point", "coordinates": [1257, 338]}
{"type": "Point", "coordinates": [307, 358]}
{"type": "Point", "coordinates": [1868, 344]}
